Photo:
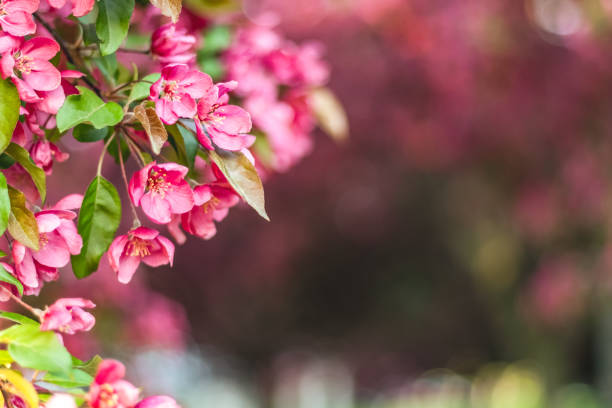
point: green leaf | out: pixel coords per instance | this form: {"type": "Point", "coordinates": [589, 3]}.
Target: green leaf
{"type": "Point", "coordinates": [99, 219]}
{"type": "Point", "coordinates": [21, 156]}
{"type": "Point", "coordinates": [87, 107]}
{"type": "Point", "coordinates": [39, 350]}
{"type": "Point", "coordinates": [243, 177]}
{"type": "Point", "coordinates": [2, 254]}
{"type": "Point", "coordinates": [5, 204]}
{"type": "Point", "coordinates": [17, 318]}
{"type": "Point", "coordinates": [73, 379]}
{"type": "Point", "coordinates": [9, 111]}
{"type": "Point", "coordinates": [142, 89]}
{"type": "Point", "coordinates": [6, 276]}
{"type": "Point", "coordinates": [5, 358]}
{"type": "Point", "coordinates": [6, 161]}
{"type": "Point", "coordinates": [108, 66]}
{"type": "Point", "coordinates": [87, 133]}
{"type": "Point", "coordinates": [91, 366]}
{"type": "Point", "coordinates": [22, 225]}
{"type": "Point", "coordinates": [113, 23]}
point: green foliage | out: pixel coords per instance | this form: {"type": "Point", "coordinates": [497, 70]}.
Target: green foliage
{"type": "Point", "coordinates": [9, 112]}
{"type": "Point", "coordinates": [74, 378]}
{"type": "Point", "coordinates": [87, 107]}
{"type": "Point", "coordinates": [5, 276]}
{"type": "Point", "coordinates": [141, 90]}
{"type": "Point", "coordinates": [21, 156]}
{"type": "Point", "coordinates": [243, 177]}
{"type": "Point", "coordinates": [113, 23]}
{"type": "Point", "coordinates": [39, 350]}
{"type": "Point", "coordinates": [184, 143]}
{"type": "Point", "coordinates": [5, 204]}
{"type": "Point", "coordinates": [87, 133]}
{"type": "Point", "coordinates": [99, 219]}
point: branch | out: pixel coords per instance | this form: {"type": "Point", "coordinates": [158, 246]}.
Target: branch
{"type": "Point", "coordinates": [66, 51]}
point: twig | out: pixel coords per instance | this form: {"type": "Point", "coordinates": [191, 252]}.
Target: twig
{"type": "Point", "coordinates": [127, 188]}
{"type": "Point", "coordinates": [34, 311]}
{"type": "Point", "coordinates": [101, 159]}
{"type": "Point", "coordinates": [66, 51]}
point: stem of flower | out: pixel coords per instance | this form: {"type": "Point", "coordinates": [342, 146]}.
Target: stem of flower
{"type": "Point", "coordinates": [66, 51]}
{"type": "Point", "coordinates": [134, 212]}
{"type": "Point", "coordinates": [101, 159]}
{"type": "Point", "coordinates": [134, 149]}
{"type": "Point", "coordinates": [33, 310]}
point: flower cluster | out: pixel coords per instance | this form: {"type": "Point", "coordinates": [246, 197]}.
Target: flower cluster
{"type": "Point", "coordinates": [275, 77]}
{"type": "Point", "coordinates": [190, 138]}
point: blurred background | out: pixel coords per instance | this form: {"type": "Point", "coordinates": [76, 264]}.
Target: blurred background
{"type": "Point", "coordinates": [454, 252]}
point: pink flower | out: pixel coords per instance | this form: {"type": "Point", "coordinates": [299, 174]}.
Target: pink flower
{"type": "Point", "coordinates": [212, 203]}
{"type": "Point", "coordinates": [109, 389]}
{"type": "Point", "coordinates": [16, 16]}
{"type": "Point", "coordinates": [140, 244]}
{"type": "Point", "coordinates": [158, 401]}
{"type": "Point", "coordinates": [29, 67]}
{"type": "Point", "coordinates": [161, 190]}
{"type": "Point", "coordinates": [227, 125]}
{"type": "Point", "coordinates": [176, 91]}
{"type": "Point", "coordinates": [43, 152]}
{"type": "Point", "coordinates": [58, 240]}
{"type": "Point", "coordinates": [51, 101]}
{"type": "Point", "coordinates": [79, 7]}
{"type": "Point", "coordinates": [61, 401]}
{"type": "Point", "coordinates": [67, 315]}
{"type": "Point", "coordinates": [172, 45]}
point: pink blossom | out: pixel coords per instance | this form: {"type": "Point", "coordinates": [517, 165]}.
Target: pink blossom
{"type": "Point", "coordinates": [29, 67]}
{"type": "Point", "coordinates": [139, 245]}
{"type": "Point", "coordinates": [227, 125]}
{"type": "Point", "coordinates": [44, 152]}
{"type": "Point", "coordinates": [58, 240]}
{"type": "Point", "coordinates": [161, 190]}
{"type": "Point", "coordinates": [109, 389]}
{"type": "Point", "coordinates": [176, 91]}
{"type": "Point", "coordinates": [16, 16]}
{"type": "Point", "coordinates": [51, 101]}
{"type": "Point", "coordinates": [67, 315]}
{"type": "Point", "coordinates": [212, 203]}
{"type": "Point", "coordinates": [61, 401]}
{"type": "Point", "coordinates": [79, 7]}
{"type": "Point", "coordinates": [172, 45]}
{"type": "Point", "coordinates": [158, 401]}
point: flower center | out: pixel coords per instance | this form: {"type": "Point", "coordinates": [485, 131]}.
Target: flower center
{"type": "Point", "coordinates": [156, 183]}
{"type": "Point", "coordinates": [3, 12]}
{"type": "Point", "coordinates": [138, 247]}
{"type": "Point", "coordinates": [43, 240]}
{"type": "Point", "coordinates": [23, 63]}
{"type": "Point", "coordinates": [170, 91]}
{"type": "Point", "coordinates": [211, 205]}
{"type": "Point", "coordinates": [108, 398]}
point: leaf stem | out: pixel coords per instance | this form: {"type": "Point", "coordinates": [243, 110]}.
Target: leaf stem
{"type": "Point", "coordinates": [101, 159]}
{"type": "Point", "coordinates": [127, 188]}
